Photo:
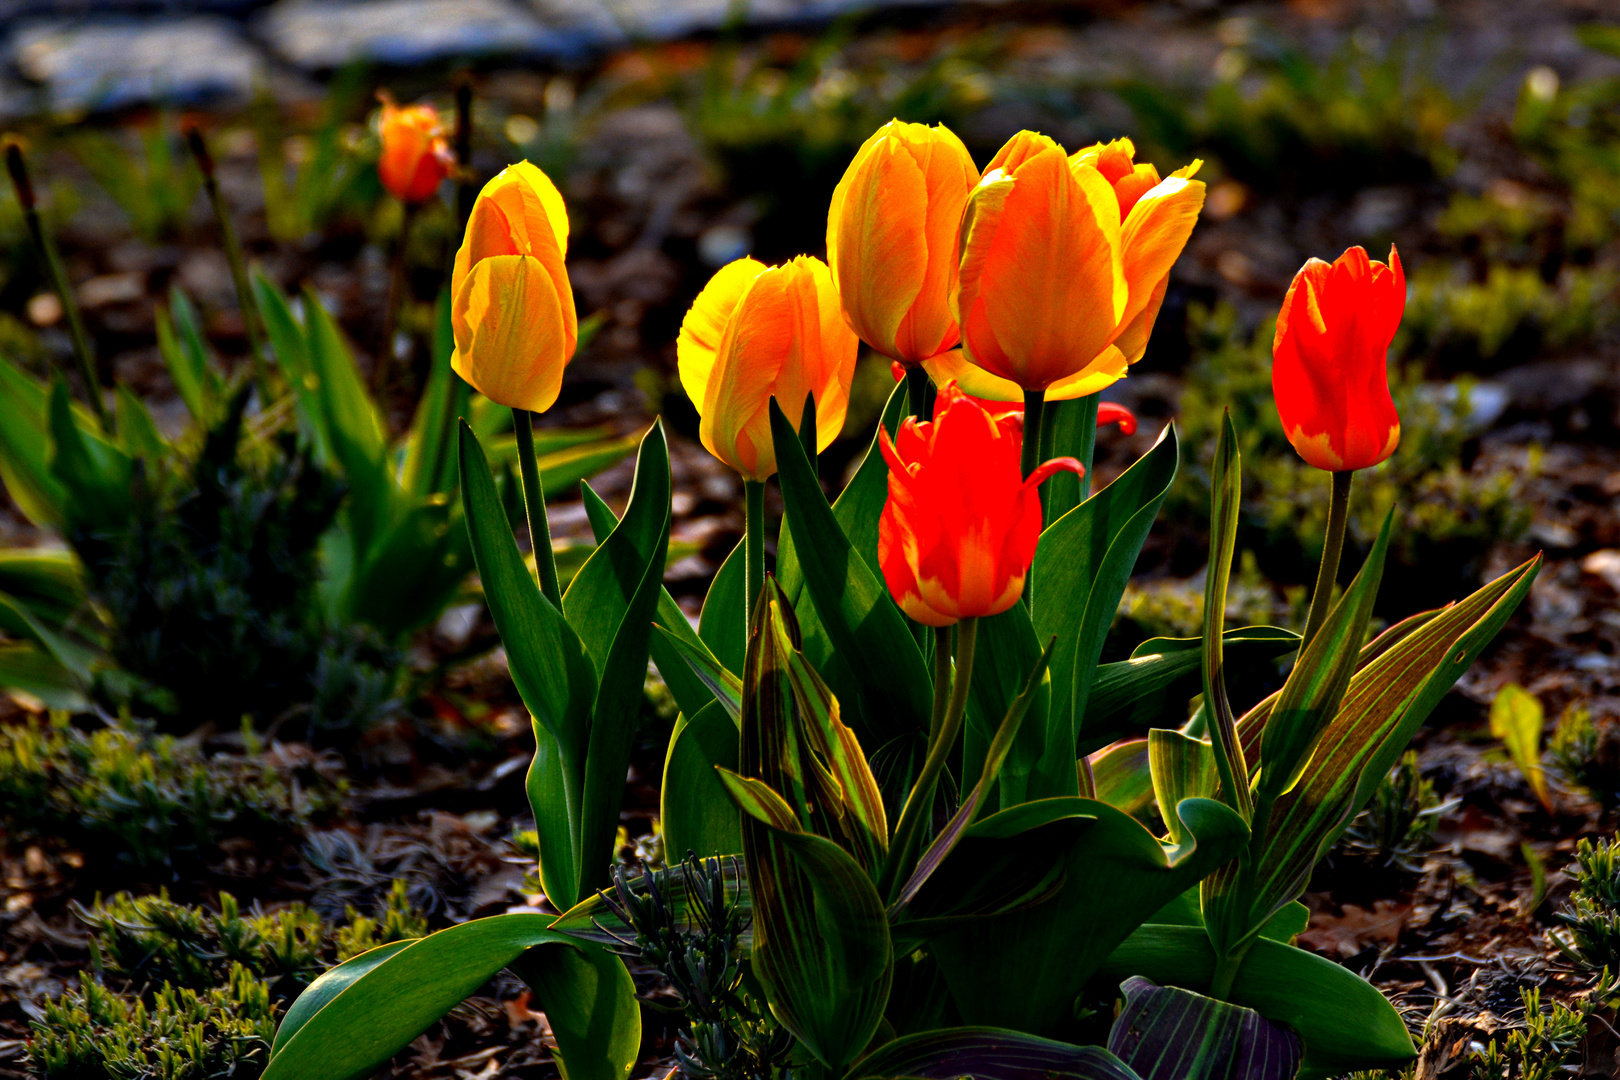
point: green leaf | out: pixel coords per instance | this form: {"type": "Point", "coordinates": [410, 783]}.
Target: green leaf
{"type": "Point", "coordinates": [1345, 1022]}
{"type": "Point", "coordinates": [137, 434]}
{"type": "Point", "coordinates": [696, 813]}
{"type": "Point", "coordinates": [365, 1011]}
{"type": "Point", "coordinates": [1517, 719]}
{"type": "Point", "coordinates": [184, 353]}
{"type": "Point", "coordinates": [1122, 776]}
{"type": "Point", "coordinates": [866, 628]}
{"type": "Point", "coordinates": [1311, 696]}
{"type": "Point", "coordinates": [95, 474]}
{"type": "Point", "coordinates": [1182, 768]}
{"type": "Point", "coordinates": [25, 448]}
{"type": "Point", "coordinates": [430, 465]}
{"type": "Point", "coordinates": [593, 919]}
{"type": "Point", "coordinates": [26, 667]}
{"type": "Point", "coordinates": [549, 667]}
{"type": "Point", "coordinates": [723, 624]}
{"type": "Point", "coordinates": [722, 685]}
{"type": "Point", "coordinates": [1080, 571]}
{"type": "Point", "coordinates": [985, 1053]}
{"type": "Point", "coordinates": [424, 543]}
{"type": "Point", "coordinates": [1226, 492]}
{"type": "Point", "coordinates": [1006, 650]}
{"type": "Point", "coordinates": [1073, 425]}
{"type": "Point", "coordinates": [1023, 968]}
{"type": "Point", "coordinates": [1166, 1033]}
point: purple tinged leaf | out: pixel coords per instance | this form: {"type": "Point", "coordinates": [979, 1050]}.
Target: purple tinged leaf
{"type": "Point", "coordinates": [985, 1053]}
{"type": "Point", "coordinates": [1165, 1033]}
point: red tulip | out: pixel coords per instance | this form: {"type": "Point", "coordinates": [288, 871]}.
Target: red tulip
{"type": "Point", "coordinates": [961, 523]}
{"type": "Point", "coordinates": [1330, 373]}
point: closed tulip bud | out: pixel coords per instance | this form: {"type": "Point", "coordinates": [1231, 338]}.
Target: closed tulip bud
{"type": "Point", "coordinates": [415, 155]}
{"type": "Point", "coordinates": [756, 332]}
{"type": "Point", "coordinates": [959, 530]}
{"type": "Point", "coordinates": [512, 309]}
{"type": "Point", "coordinates": [1329, 372]}
{"type": "Point", "coordinates": [891, 238]}
{"type": "Point", "coordinates": [1063, 266]}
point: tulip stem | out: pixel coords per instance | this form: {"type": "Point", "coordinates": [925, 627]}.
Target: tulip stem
{"type": "Point", "coordinates": [534, 503]}
{"type": "Point", "coordinates": [396, 293]}
{"type": "Point", "coordinates": [919, 393]}
{"type": "Point", "coordinates": [233, 258]}
{"type": "Point", "coordinates": [753, 546]}
{"type": "Point", "coordinates": [1327, 575]}
{"type": "Point", "coordinates": [920, 802]}
{"type": "Point", "coordinates": [1088, 441]}
{"type": "Point", "coordinates": [1034, 413]}
{"type": "Point", "coordinates": [59, 281]}
{"type": "Point", "coordinates": [942, 679]}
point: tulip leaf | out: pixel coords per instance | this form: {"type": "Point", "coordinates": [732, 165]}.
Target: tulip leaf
{"type": "Point", "coordinates": [1024, 967]}
{"type": "Point", "coordinates": [1122, 776]}
{"type": "Point", "coordinates": [697, 815]}
{"type": "Point", "coordinates": [865, 627]}
{"type": "Point", "coordinates": [1311, 696]}
{"type": "Point", "coordinates": [95, 474]}
{"type": "Point", "coordinates": [986, 1053]}
{"type": "Point", "coordinates": [429, 464]}
{"type": "Point", "coordinates": [610, 604]}
{"type": "Point", "coordinates": [1181, 768]}
{"type": "Point", "coordinates": [592, 919]}
{"type": "Point", "coordinates": [554, 677]}
{"type": "Point", "coordinates": [723, 624]}
{"type": "Point", "coordinates": [1080, 571]}
{"type": "Point", "coordinates": [363, 1012]}
{"type": "Point", "coordinates": [137, 434]}
{"type": "Point", "coordinates": [1151, 689]}
{"type": "Point", "coordinates": [1072, 425]}
{"type": "Point", "coordinates": [1346, 1024]}
{"type": "Point", "coordinates": [25, 448]}
{"type": "Point", "coordinates": [721, 684]}
{"type": "Point", "coordinates": [1166, 1033]}
{"type": "Point", "coordinates": [1386, 702]}
{"type": "Point", "coordinates": [1006, 650]}
{"type": "Point", "coordinates": [180, 343]}
{"type": "Point", "coordinates": [1517, 719]}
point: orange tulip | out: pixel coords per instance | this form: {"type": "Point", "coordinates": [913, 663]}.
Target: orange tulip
{"type": "Point", "coordinates": [757, 332]}
{"type": "Point", "coordinates": [415, 155]}
{"type": "Point", "coordinates": [961, 523]}
{"type": "Point", "coordinates": [891, 238]}
{"type": "Point", "coordinates": [512, 309]}
{"type": "Point", "coordinates": [1329, 372]}
{"type": "Point", "coordinates": [1064, 262]}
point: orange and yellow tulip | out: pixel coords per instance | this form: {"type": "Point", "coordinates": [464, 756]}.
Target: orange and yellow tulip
{"type": "Point", "coordinates": [1063, 266]}
{"type": "Point", "coordinates": [891, 238]}
{"type": "Point", "coordinates": [756, 332]}
{"type": "Point", "coordinates": [512, 308]}
{"type": "Point", "coordinates": [959, 530]}
{"type": "Point", "coordinates": [1329, 369]}
{"type": "Point", "coordinates": [415, 156]}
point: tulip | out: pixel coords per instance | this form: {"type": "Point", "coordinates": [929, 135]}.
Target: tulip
{"type": "Point", "coordinates": [512, 310]}
{"type": "Point", "coordinates": [959, 530]}
{"type": "Point", "coordinates": [1063, 266]}
{"type": "Point", "coordinates": [1329, 372]}
{"type": "Point", "coordinates": [415, 155]}
{"type": "Point", "coordinates": [891, 238]}
{"type": "Point", "coordinates": [757, 332]}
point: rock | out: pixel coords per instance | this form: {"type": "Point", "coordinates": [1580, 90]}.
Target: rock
{"type": "Point", "coordinates": [123, 62]}
{"type": "Point", "coordinates": [325, 34]}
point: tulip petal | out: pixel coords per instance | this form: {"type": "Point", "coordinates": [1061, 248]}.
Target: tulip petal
{"type": "Point", "coordinates": [954, 367]}
{"type": "Point", "coordinates": [873, 245]}
{"type": "Point", "coordinates": [512, 334]}
{"type": "Point", "coordinates": [705, 324]}
{"type": "Point", "coordinates": [1153, 236]}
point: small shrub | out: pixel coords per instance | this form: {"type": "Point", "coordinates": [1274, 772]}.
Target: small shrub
{"type": "Point", "coordinates": [191, 993]}
{"type": "Point", "coordinates": [1397, 826]}
{"type": "Point", "coordinates": [1593, 916]}
{"type": "Point", "coordinates": [1586, 754]}
{"type": "Point", "coordinates": [1544, 1046]}
{"type": "Point", "coordinates": [1509, 317]}
{"type": "Point", "coordinates": [151, 799]}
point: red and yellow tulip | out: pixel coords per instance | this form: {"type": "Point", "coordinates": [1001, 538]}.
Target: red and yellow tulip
{"type": "Point", "coordinates": [756, 332]}
{"type": "Point", "coordinates": [891, 238]}
{"type": "Point", "coordinates": [512, 308]}
{"type": "Point", "coordinates": [1329, 372]}
{"type": "Point", "coordinates": [1063, 266]}
{"type": "Point", "coordinates": [959, 530]}
{"type": "Point", "coordinates": [415, 156]}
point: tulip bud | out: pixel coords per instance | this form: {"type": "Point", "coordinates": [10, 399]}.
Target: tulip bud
{"type": "Point", "coordinates": [1330, 360]}
{"type": "Point", "coordinates": [512, 309]}
{"type": "Point", "coordinates": [891, 238]}
{"type": "Point", "coordinates": [415, 155]}
{"type": "Point", "coordinates": [959, 530]}
{"type": "Point", "coordinates": [756, 332]}
{"type": "Point", "coordinates": [1064, 263]}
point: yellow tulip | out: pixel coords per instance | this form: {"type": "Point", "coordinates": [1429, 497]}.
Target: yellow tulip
{"type": "Point", "coordinates": [757, 332]}
{"type": "Point", "coordinates": [512, 308]}
{"type": "Point", "coordinates": [1063, 267]}
{"type": "Point", "coordinates": [891, 238]}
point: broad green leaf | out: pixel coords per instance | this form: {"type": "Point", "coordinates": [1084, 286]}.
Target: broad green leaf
{"type": "Point", "coordinates": [1345, 1022]}
{"type": "Point", "coordinates": [26, 667]}
{"type": "Point", "coordinates": [1311, 696]}
{"type": "Point", "coordinates": [985, 1053]}
{"type": "Point", "coordinates": [1181, 768]}
{"type": "Point", "coordinates": [1226, 491]}
{"type": "Point", "coordinates": [25, 448]}
{"type": "Point", "coordinates": [723, 624]}
{"type": "Point", "coordinates": [48, 581]}
{"type": "Point", "coordinates": [1024, 968]}
{"type": "Point", "coordinates": [180, 343]}
{"type": "Point", "coordinates": [365, 1011]}
{"type": "Point", "coordinates": [866, 628]}
{"type": "Point", "coordinates": [1123, 779]}
{"type": "Point", "coordinates": [424, 543]}
{"type": "Point", "coordinates": [430, 464]}
{"type": "Point", "coordinates": [724, 687]}
{"type": "Point", "coordinates": [1517, 719]}
{"type": "Point", "coordinates": [1005, 652]}
{"type": "Point", "coordinates": [1073, 425]}
{"type": "Point", "coordinates": [138, 436]}
{"type": "Point", "coordinates": [1165, 1033]}
{"type": "Point", "coordinates": [695, 811]}
{"type": "Point", "coordinates": [549, 667]}
{"type": "Point", "coordinates": [1080, 571]}
{"type": "Point", "coordinates": [94, 474]}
